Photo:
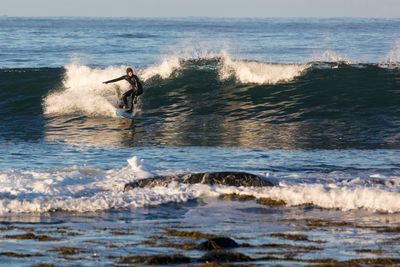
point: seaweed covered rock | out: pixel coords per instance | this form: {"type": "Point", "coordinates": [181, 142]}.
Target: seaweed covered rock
{"type": "Point", "coordinates": [218, 243]}
{"type": "Point", "coordinates": [224, 256]}
{"type": "Point", "coordinates": [155, 259]}
{"type": "Point", "coordinates": [210, 178]}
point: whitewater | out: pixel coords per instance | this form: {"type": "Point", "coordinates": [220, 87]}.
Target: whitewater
{"type": "Point", "coordinates": [84, 189]}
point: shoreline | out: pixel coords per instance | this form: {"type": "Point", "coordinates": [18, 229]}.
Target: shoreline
{"type": "Point", "coordinates": [264, 234]}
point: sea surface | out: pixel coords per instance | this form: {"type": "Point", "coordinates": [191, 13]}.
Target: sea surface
{"type": "Point", "coordinates": [312, 105]}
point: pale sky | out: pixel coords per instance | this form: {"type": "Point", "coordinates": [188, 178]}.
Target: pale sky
{"type": "Point", "coordinates": [203, 8]}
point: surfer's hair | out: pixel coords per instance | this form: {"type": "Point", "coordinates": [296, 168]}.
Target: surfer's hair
{"type": "Point", "coordinates": [129, 70]}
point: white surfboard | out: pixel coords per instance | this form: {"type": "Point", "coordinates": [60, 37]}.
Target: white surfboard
{"type": "Point", "coordinates": [121, 113]}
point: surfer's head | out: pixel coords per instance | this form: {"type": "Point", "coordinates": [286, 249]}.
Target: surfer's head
{"type": "Point", "coordinates": [129, 72]}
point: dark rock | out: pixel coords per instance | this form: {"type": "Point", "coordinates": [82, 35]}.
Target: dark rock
{"type": "Point", "coordinates": [224, 256]}
{"type": "Point", "coordinates": [32, 236]}
{"type": "Point", "coordinates": [19, 255]}
{"type": "Point", "coordinates": [210, 178]}
{"type": "Point", "coordinates": [226, 178]}
{"type": "Point", "coordinates": [390, 230]}
{"type": "Point", "coordinates": [294, 237]}
{"type": "Point", "coordinates": [271, 202]}
{"type": "Point", "coordinates": [218, 243]}
{"type": "Point", "coordinates": [189, 234]}
{"type": "Point", "coordinates": [65, 250]}
{"type": "Point", "coordinates": [155, 259]}
{"type": "Point", "coordinates": [236, 197]}
{"type": "Point", "coordinates": [356, 262]}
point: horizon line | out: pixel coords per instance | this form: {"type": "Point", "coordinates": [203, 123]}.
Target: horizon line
{"type": "Point", "coordinates": [214, 17]}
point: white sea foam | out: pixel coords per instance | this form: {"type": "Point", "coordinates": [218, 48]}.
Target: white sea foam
{"type": "Point", "coordinates": [84, 93]}
{"type": "Point", "coordinates": [260, 72]}
{"type": "Point", "coordinates": [392, 60]}
{"type": "Point", "coordinates": [244, 71]}
{"type": "Point", "coordinates": [80, 189]}
{"type": "Point", "coordinates": [164, 69]}
{"type": "Point", "coordinates": [394, 54]}
{"type": "Point", "coordinates": [331, 57]}
{"type": "Point", "coordinates": [139, 168]}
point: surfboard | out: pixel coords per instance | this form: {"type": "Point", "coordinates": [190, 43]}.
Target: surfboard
{"type": "Point", "coordinates": [121, 113]}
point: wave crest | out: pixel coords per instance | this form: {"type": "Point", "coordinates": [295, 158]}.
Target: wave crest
{"type": "Point", "coordinates": [260, 72]}
{"type": "Point", "coordinates": [83, 92]}
{"type": "Point", "coordinates": [79, 189]}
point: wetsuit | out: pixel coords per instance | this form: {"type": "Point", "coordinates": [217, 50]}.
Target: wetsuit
{"type": "Point", "coordinates": [133, 81]}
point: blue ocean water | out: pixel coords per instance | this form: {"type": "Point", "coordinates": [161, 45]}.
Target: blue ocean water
{"type": "Point", "coordinates": [53, 42]}
{"type": "Point", "coordinates": [241, 88]}
{"type": "Point", "coordinates": [310, 104]}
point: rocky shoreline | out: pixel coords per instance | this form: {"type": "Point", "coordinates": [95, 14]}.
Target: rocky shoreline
{"type": "Point", "coordinates": [263, 233]}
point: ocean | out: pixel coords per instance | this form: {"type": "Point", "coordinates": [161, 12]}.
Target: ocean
{"type": "Point", "coordinates": [308, 105]}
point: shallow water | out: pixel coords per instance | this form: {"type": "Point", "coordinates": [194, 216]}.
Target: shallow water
{"type": "Point", "coordinates": [105, 237]}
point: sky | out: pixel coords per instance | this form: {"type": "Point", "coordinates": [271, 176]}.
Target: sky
{"type": "Point", "coordinates": [201, 8]}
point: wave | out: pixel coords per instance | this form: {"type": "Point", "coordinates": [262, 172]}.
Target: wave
{"type": "Point", "coordinates": [331, 104]}
{"type": "Point", "coordinates": [260, 72]}
{"type": "Point", "coordinates": [82, 90]}
{"type": "Point", "coordinates": [80, 189]}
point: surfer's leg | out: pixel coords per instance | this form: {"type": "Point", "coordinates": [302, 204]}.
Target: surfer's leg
{"type": "Point", "coordinates": [125, 97]}
{"type": "Point", "coordinates": [131, 102]}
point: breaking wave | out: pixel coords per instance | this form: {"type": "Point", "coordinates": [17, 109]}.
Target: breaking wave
{"type": "Point", "coordinates": [80, 189]}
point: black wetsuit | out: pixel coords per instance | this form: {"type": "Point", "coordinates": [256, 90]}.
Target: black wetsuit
{"type": "Point", "coordinates": [133, 81]}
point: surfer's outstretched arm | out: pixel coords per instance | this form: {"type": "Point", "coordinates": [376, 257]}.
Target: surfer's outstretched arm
{"type": "Point", "coordinates": [115, 80]}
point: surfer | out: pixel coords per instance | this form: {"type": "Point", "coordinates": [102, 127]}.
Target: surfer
{"type": "Point", "coordinates": [135, 90]}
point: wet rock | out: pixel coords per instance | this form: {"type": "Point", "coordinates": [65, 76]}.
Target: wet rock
{"type": "Point", "coordinates": [271, 202]}
{"type": "Point", "coordinates": [190, 234]}
{"type": "Point", "coordinates": [325, 223]}
{"type": "Point", "coordinates": [294, 237]}
{"type": "Point", "coordinates": [287, 247]}
{"type": "Point", "coordinates": [155, 259]}
{"type": "Point", "coordinates": [357, 262]}
{"type": "Point", "coordinates": [390, 230]}
{"type": "Point", "coordinates": [65, 250]}
{"type": "Point", "coordinates": [31, 236]}
{"type": "Point", "coordinates": [370, 251]}
{"type": "Point", "coordinates": [19, 255]}
{"type": "Point", "coordinates": [210, 178]}
{"type": "Point", "coordinates": [218, 243]}
{"type": "Point", "coordinates": [236, 197]}
{"type": "Point", "coordinates": [224, 256]}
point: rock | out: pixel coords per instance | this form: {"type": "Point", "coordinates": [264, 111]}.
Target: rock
{"type": "Point", "coordinates": [66, 250]}
{"type": "Point", "coordinates": [19, 255]}
{"type": "Point", "coordinates": [189, 234]}
{"type": "Point", "coordinates": [32, 236]}
{"type": "Point", "coordinates": [224, 256]}
{"type": "Point", "coordinates": [236, 197]}
{"type": "Point", "coordinates": [226, 178]}
{"type": "Point", "coordinates": [218, 243]}
{"type": "Point", "coordinates": [271, 202]}
{"type": "Point", "coordinates": [210, 178]}
{"type": "Point", "coordinates": [155, 259]}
